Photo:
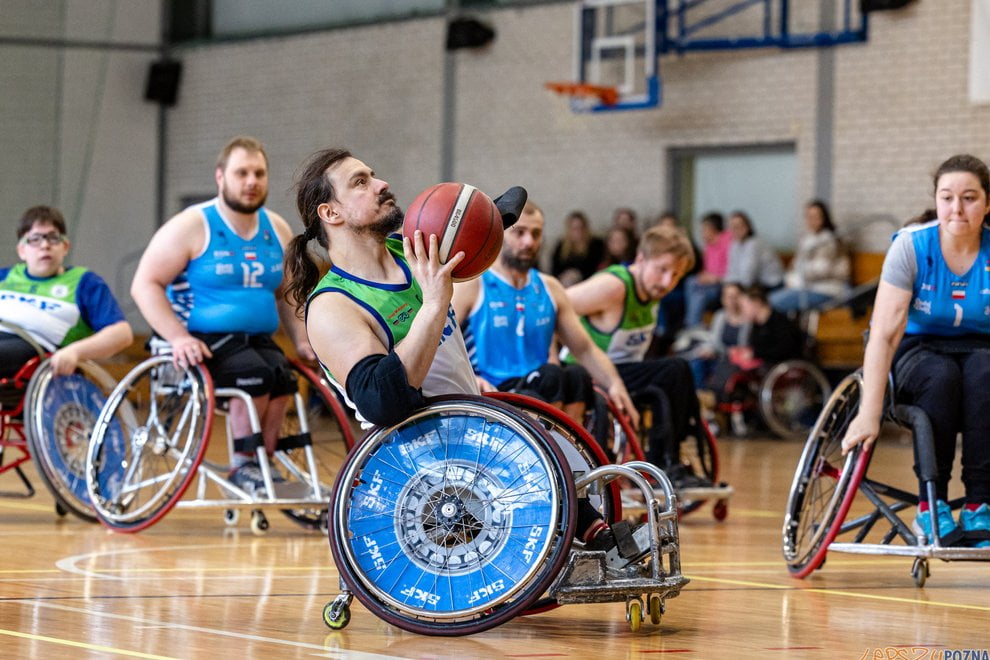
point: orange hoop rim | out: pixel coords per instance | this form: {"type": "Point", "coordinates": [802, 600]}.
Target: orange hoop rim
{"type": "Point", "coordinates": [607, 95]}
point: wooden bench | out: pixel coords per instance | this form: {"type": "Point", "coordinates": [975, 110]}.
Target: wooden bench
{"type": "Point", "coordinates": [839, 337]}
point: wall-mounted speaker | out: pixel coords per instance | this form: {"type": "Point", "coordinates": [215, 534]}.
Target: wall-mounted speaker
{"type": "Point", "coordinates": [163, 82]}
{"type": "Point", "coordinates": [468, 33]}
{"type": "Point", "coordinates": [880, 5]}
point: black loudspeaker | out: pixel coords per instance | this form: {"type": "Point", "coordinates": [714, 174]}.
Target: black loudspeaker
{"type": "Point", "coordinates": [880, 5]}
{"type": "Point", "coordinates": [468, 33]}
{"type": "Point", "coordinates": [163, 82]}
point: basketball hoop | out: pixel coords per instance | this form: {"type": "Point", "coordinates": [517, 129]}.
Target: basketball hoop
{"type": "Point", "coordinates": [606, 95]}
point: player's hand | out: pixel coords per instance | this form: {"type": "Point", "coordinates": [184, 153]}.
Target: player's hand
{"type": "Point", "coordinates": [64, 361]}
{"type": "Point", "coordinates": [434, 278]}
{"type": "Point", "coordinates": [188, 351]}
{"type": "Point", "coordinates": [510, 205]}
{"type": "Point", "coordinates": [620, 397]}
{"type": "Point", "coordinates": [862, 430]}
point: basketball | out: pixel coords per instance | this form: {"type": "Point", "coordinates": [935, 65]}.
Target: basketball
{"type": "Point", "coordinates": [464, 219]}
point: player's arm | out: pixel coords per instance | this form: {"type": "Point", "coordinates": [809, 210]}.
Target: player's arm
{"type": "Point", "coordinates": [597, 295]}
{"type": "Point", "coordinates": [890, 313]}
{"type": "Point", "coordinates": [573, 335]}
{"type": "Point", "coordinates": [291, 322]}
{"type": "Point", "coordinates": [346, 342]}
{"type": "Point", "coordinates": [103, 344]}
{"type": "Point", "coordinates": [168, 253]}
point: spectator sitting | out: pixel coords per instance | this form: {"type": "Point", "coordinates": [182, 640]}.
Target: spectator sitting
{"type": "Point", "coordinates": [578, 254]}
{"type": "Point", "coordinates": [751, 261]}
{"type": "Point", "coordinates": [821, 267]}
{"type": "Point", "coordinates": [620, 247]}
{"type": "Point", "coordinates": [704, 347]}
{"type": "Point", "coordinates": [703, 288]}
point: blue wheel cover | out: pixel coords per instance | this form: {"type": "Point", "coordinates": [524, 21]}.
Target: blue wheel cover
{"type": "Point", "coordinates": [450, 513]}
{"type": "Point", "coordinates": [71, 405]}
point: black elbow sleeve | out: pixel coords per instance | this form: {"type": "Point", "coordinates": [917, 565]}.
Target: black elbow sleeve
{"type": "Point", "coordinates": [380, 389]}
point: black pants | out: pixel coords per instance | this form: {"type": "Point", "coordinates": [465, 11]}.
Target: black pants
{"type": "Point", "coordinates": [253, 363]}
{"type": "Point", "coordinates": [675, 414]}
{"type": "Point", "coordinates": [553, 383]}
{"type": "Point", "coordinates": [14, 354]}
{"type": "Point", "coordinates": [953, 389]}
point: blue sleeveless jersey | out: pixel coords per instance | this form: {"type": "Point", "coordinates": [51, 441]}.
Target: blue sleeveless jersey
{"type": "Point", "coordinates": [944, 303]}
{"type": "Point", "coordinates": [230, 287]}
{"type": "Point", "coordinates": [510, 331]}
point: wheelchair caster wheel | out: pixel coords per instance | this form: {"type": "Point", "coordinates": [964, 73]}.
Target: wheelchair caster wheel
{"type": "Point", "coordinates": [60, 510]}
{"type": "Point", "coordinates": [259, 523]}
{"type": "Point", "coordinates": [634, 614]}
{"type": "Point", "coordinates": [920, 572]}
{"type": "Point", "coordinates": [336, 616]}
{"type": "Point", "coordinates": [720, 510]}
{"type": "Point", "coordinates": [231, 516]}
{"type": "Point", "coordinates": [656, 609]}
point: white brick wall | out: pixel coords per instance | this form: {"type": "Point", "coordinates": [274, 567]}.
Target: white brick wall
{"type": "Point", "coordinates": [900, 108]}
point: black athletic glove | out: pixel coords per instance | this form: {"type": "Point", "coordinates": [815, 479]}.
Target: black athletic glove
{"type": "Point", "coordinates": [510, 205]}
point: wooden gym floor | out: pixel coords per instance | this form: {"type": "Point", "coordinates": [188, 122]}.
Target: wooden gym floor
{"type": "Point", "coordinates": [190, 587]}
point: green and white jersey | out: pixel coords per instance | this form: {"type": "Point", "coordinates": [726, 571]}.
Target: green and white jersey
{"type": "Point", "coordinates": [58, 310]}
{"type": "Point", "coordinates": [394, 306]}
{"type": "Point", "coordinates": [630, 339]}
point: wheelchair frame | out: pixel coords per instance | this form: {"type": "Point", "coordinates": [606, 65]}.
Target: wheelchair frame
{"type": "Point", "coordinates": [451, 456]}
{"type": "Point", "coordinates": [172, 449]}
{"type": "Point", "coordinates": [704, 460]}
{"type": "Point", "coordinates": [760, 389]}
{"type": "Point", "coordinates": [825, 485]}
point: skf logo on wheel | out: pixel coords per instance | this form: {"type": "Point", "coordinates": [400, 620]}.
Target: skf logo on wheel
{"type": "Point", "coordinates": [534, 537]}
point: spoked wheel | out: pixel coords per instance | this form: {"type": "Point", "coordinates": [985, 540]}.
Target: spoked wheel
{"type": "Point", "coordinates": [792, 395]}
{"type": "Point", "coordinates": [148, 442]}
{"type": "Point", "coordinates": [825, 482]}
{"type": "Point", "coordinates": [583, 454]}
{"type": "Point", "coordinates": [315, 436]}
{"type": "Point", "coordinates": [455, 520]}
{"type": "Point", "coordinates": [60, 414]}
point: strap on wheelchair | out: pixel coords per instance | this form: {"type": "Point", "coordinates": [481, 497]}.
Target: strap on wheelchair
{"type": "Point", "coordinates": [296, 441]}
{"type": "Point", "coordinates": [249, 443]}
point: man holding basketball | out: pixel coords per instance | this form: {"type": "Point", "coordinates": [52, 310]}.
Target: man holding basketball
{"type": "Point", "coordinates": [511, 315]}
{"type": "Point", "coordinates": [380, 320]}
{"type": "Point", "coordinates": [209, 283]}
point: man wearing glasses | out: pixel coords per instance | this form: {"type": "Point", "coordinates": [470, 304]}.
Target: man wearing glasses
{"type": "Point", "coordinates": [70, 311]}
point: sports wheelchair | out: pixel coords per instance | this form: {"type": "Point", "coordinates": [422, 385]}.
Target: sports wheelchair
{"type": "Point", "coordinates": [624, 443]}
{"type": "Point", "coordinates": [826, 484]}
{"type": "Point", "coordinates": [49, 419]}
{"type": "Point", "coordinates": [462, 517]}
{"type": "Point", "coordinates": [150, 441]}
{"type": "Point", "coordinates": [786, 397]}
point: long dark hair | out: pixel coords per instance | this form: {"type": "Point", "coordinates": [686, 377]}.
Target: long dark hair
{"type": "Point", "coordinates": [313, 188]}
{"type": "Point", "coordinates": [827, 224]}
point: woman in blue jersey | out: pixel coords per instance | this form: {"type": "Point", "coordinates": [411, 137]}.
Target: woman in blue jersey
{"type": "Point", "coordinates": [67, 310]}
{"type": "Point", "coordinates": [931, 324]}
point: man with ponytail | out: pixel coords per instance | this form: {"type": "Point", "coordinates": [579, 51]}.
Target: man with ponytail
{"type": "Point", "coordinates": [380, 320]}
{"type": "Point", "coordinates": [210, 284]}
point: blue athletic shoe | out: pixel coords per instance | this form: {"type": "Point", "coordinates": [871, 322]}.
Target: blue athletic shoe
{"type": "Point", "coordinates": [946, 523]}
{"type": "Point", "coordinates": [979, 520]}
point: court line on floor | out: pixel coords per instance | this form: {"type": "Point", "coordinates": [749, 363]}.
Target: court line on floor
{"type": "Point", "coordinates": [837, 592]}
{"type": "Point", "coordinates": [331, 653]}
{"type": "Point", "coordinates": [83, 645]}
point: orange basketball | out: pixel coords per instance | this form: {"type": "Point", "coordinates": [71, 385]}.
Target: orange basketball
{"type": "Point", "coordinates": [464, 219]}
